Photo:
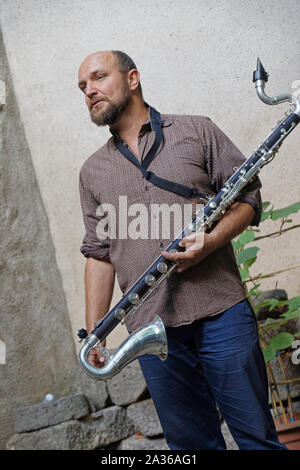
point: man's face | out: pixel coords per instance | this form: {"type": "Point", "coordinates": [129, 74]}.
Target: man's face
{"type": "Point", "coordinates": [106, 89]}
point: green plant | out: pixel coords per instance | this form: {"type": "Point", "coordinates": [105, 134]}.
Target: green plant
{"type": "Point", "coordinates": [246, 257]}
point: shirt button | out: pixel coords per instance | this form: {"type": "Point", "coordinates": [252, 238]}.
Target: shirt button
{"type": "Point", "coordinates": [161, 244]}
{"type": "Point", "coordinates": [146, 188]}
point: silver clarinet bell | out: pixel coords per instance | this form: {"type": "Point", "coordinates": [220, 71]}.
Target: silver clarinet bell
{"type": "Point", "coordinates": [150, 339]}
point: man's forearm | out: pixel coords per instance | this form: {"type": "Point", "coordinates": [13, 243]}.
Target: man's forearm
{"type": "Point", "coordinates": [99, 285]}
{"type": "Point", "coordinates": [237, 218]}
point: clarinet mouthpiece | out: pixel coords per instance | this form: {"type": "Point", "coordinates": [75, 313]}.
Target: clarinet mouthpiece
{"type": "Point", "coordinates": [260, 73]}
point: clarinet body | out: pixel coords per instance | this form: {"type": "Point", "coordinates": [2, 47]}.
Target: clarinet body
{"type": "Point", "coordinates": [152, 338]}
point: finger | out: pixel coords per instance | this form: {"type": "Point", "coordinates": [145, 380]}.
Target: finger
{"type": "Point", "coordinates": [181, 268]}
{"type": "Point", "coordinates": [97, 363]}
{"type": "Point", "coordinates": [93, 361]}
{"type": "Point", "coordinates": [170, 256]}
{"type": "Point", "coordinates": [177, 257]}
{"type": "Point", "coordinates": [96, 359]}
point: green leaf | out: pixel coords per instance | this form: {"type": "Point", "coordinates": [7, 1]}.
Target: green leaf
{"type": "Point", "coordinates": [265, 215]}
{"type": "Point", "coordinates": [272, 323]}
{"type": "Point", "coordinates": [236, 245]}
{"type": "Point", "coordinates": [281, 303]}
{"type": "Point", "coordinates": [269, 353]}
{"type": "Point", "coordinates": [270, 320]}
{"type": "Point", "coordinates": [282, 341]}
{"type": "Point", "coordinates": [246, 237]}
{"type": "Point", "coordinates": [256, 308]}
{"type": "Point", "coordinates": [249, 263]}
{"type": "Point", "coordinates": [293, 308]}
{"type": "Point", "coordinates": [265, 204]}
{"type": "Point", "coordinates": [246, 254]}
{"type": "Point", "coordinates": [291, 314]}
{"type": "Point", "coordinates": [294, 302]}
{"type": "Point", "coordinates": [285, 211]}
{"type": "Point", "coordinates": [244, 273]}
{"type": "Point", "coordinates": [271, 303]}
{"type": "Point", "coordinates": [254, 291]}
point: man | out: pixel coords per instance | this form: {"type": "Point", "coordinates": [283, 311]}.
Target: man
{"type": "Point", "coordinates": [213, 347]}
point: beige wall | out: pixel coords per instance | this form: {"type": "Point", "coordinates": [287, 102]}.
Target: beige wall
{"type": "Point", "coordinates": [194, 57]}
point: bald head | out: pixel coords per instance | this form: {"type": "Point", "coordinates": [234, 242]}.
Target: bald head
{"type": "Point", "coordinates": [114, 57]}
{"type": "Point", "coordinates": [96, 58]}
{"type": "Point", "coordinates": [110, 83]}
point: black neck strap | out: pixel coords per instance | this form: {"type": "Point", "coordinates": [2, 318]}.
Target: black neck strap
{"type": "Point", "coordinates": [156, 124]}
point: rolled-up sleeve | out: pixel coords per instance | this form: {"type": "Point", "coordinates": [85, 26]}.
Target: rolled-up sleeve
{"type": "Point", "coordinates": [92, 246]}
{"type": "Point", "coordinates": [222, 160]}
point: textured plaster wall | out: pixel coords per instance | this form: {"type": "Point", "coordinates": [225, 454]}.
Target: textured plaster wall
{"type": "Point", "coordinates": [194, 57]}
{"type": "Point", "coordinates": [35, 329]}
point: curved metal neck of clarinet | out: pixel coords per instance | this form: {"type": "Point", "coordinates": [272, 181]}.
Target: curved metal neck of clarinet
{"type": "Point", "coordinates": [260, 77]}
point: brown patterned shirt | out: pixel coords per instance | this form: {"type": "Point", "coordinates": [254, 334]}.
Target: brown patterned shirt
{"type": "Point", "coordinates": [195, 153]}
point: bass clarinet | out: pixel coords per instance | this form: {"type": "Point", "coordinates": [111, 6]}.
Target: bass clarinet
{"type": "Point", "coordinates": [151, 339]}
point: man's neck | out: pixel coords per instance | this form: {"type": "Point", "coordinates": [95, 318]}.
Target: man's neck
{"type": "Point", "coordinates": [131, 121]}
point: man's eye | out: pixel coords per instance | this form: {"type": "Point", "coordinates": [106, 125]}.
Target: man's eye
{"type": "Point", "coordinates": [99, 77]}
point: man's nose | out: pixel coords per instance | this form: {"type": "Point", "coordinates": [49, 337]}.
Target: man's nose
{"type": "Point", "coordinates": [91, 90]}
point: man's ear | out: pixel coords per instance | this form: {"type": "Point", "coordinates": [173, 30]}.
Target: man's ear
{"type": "Point", "coordinates": [133, 79]}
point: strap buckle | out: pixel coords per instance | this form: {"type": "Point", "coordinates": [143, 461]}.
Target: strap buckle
{"type": "Point", "coordinates": [147, 174]}
{"type": "Point", "coordinates": [196, 193]}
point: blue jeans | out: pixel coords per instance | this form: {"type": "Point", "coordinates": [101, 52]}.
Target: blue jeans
{"type": "Point", "coordinates": [214, 360]}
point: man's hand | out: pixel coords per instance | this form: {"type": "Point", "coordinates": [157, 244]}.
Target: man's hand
{"type": "Point", "coordinates": [196, 249]}
{"type": "Point", "coordinates": [95, 358]}
{"type": "Point", "coordinates": [200, 244]}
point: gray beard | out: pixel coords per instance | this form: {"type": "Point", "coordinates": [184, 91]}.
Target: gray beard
{"type": "Point", "coordinates": [112, 113]}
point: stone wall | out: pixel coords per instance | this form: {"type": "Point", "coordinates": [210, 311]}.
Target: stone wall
{"type": "Point", "coordinates": [115, 414]}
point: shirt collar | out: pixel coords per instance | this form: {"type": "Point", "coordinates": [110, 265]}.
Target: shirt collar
{"type": "Point", "coordinates": [146, 126]}
{"type": "Point", "coordinates": [166, 121]}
